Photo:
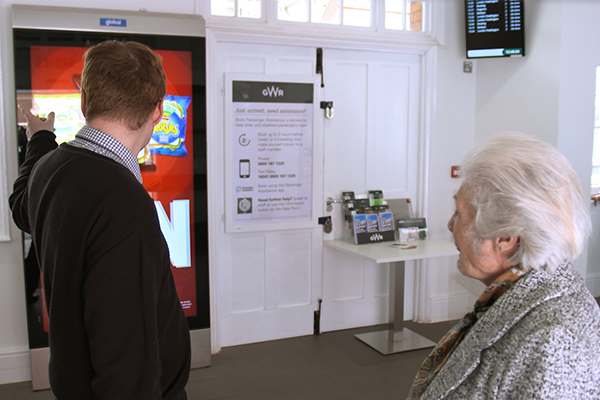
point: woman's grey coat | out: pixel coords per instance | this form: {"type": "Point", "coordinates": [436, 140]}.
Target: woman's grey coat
{"type": "Point", "coordinates": [540, 340]}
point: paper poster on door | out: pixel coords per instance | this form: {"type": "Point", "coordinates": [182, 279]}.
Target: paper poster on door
{"type": "Point", "coordinates": [272, 152]}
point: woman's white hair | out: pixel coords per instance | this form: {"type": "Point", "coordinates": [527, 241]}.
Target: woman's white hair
{"type": "Point", "coordinates": [517, 185]}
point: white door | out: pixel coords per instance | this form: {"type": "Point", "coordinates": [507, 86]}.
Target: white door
{"type": "Point", "coordinates": [370, 144]}
{"type": "Point", "coordinates": [270, 283]}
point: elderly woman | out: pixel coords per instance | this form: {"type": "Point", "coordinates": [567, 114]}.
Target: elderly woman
{"type": "Point", "coordinates": [520, 219]}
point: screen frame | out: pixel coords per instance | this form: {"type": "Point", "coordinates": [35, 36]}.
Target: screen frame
{"type": "Point", "coordinates": [24, 38]}
{"type": "Point", "coordinates": [489, 42]}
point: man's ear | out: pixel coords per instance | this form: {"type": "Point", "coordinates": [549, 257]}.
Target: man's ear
{"type": "Point", "coordinates": [507, 245]}
{"type": "Point", "coordinates": [83, 102]}
{"type": "Point", "coordinates": [158, 112]}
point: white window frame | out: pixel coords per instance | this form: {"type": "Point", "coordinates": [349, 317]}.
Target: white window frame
{"type": "Point", "coordinates": [377, 32]}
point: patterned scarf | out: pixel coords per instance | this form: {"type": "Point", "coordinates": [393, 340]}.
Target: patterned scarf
{"type": "Point", "coordinates": [442, 351]}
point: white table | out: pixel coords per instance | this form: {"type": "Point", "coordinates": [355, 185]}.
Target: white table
{"type": "Point", "coordinates": [396, 338]}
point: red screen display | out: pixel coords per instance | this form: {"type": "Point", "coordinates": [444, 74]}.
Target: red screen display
{"type": "Point", "coordinates": [168, 172]}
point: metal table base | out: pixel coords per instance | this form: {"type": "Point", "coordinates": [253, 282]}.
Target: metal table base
{"type": "Point", "coordinates": [396, 338]}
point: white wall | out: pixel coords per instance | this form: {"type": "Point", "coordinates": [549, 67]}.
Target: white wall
{"type": "Point", "coordinates": [579, 57]}
{"type": "Point", "coordinates": [451, 138]}
{"type": "Point", "coordinates": [522, 93]}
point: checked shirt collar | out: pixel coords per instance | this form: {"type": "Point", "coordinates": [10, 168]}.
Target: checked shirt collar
{"type": "Point", "coordinates": [101, 143]}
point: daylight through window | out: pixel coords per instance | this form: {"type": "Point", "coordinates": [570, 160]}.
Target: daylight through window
{"type": "Point", "coordinates": [399, 15]}
{"type": "Point", "coordinates": [404, 15]}
{"type": "Point", "coordinates": [228, 8]}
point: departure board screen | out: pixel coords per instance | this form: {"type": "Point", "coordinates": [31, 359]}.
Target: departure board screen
{"type": "Point", "coordinates": [495, 28]}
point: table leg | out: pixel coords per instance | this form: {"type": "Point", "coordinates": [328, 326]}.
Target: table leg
{"type": "Point", "coordinates": [396, 338]}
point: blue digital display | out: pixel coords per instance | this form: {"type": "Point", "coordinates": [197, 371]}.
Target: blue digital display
{"type": "Point", "coordinates": [113, 22]}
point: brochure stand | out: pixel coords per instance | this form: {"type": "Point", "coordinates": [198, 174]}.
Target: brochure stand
{"type": "Point", "coordinates": [368, 217]}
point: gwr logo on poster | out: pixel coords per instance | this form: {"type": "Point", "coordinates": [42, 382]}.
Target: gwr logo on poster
{"type": "Point", "coordinates": [272, 91]}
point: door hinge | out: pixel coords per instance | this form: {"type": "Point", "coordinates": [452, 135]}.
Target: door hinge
{"type": "Point", "coordinates": [320, 64]}
{"type": "Point", "coordinates": [317, 320]}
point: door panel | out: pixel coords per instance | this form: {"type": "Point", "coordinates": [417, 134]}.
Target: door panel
{"type": "Point", "coordinates": [269, 282]}
{"type": "Point", "coordinates": [389, 146]}
{"type": "Point", "coordinates": [370, 144]}
{"type": "Point", "coordinates": [247, 274]}
{"type": "Point", "coordinates": [345, 134]}
{"type": "Point", "coordinates": [297, 66]}
{"type": "Point", "coordinates": [246, 64]}
{"type": "Point", "coordinates": [291, 272]}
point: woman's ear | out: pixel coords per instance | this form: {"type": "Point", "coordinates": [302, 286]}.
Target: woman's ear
{"type": "Point", "coordinates": [506, 245]}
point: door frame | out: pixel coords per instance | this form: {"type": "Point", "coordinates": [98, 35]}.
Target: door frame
{"type": "Point", "coordinates": [215, 167]}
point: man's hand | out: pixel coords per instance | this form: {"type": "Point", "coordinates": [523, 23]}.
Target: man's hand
{"type": "Point", "coordinates": [36, 124]}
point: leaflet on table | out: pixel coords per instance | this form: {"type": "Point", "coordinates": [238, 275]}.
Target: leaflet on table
{"type": "Point", "coordinates": [272, 153]}
{"type": "Point", "coordinates": [372, 223]}
{"type": "Point", "coordinates": [386, 221]}
{"type": "Point", "coordinates": [360, 225]}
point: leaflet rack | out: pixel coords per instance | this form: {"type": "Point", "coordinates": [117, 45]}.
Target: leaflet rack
{"type": "Point", "coordinates": [368, 217]}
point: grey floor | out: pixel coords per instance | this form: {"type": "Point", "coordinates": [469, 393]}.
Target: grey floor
{"type": "Point", "coordinates": [333, 365]}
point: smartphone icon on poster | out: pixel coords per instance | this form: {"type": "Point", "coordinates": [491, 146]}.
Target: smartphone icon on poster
{"type": "Point", "coordinates": [244, 168]}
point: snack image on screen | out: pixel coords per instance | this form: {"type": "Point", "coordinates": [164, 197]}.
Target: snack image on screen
{"type": "Point", "coordinates": [169, 135]}
{"type": "Point", "coordinates": [68, 118]}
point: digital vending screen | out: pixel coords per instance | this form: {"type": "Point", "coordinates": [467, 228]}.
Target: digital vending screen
{"type": "Point", "coordinates": [171, 163]}
{"type": "Point", "coordinates": [495, 28]}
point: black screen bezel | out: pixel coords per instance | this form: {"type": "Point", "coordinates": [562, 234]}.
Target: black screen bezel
{"type": "Point", "coordinates": [494, 40]}
{"type": "Point", "coordinates": [23, 39]}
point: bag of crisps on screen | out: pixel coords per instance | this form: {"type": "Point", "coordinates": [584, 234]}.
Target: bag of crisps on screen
{"type": "Point", "coordinates": [168, 137]}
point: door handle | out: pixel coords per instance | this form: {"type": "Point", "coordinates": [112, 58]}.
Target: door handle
{"type": "Point", "coordinates": [330, 201]}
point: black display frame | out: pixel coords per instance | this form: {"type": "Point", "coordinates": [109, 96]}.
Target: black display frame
{"type": "Point", "coordinates": [487, 44]}
{"type": "Point", "coordinates": [24, 38]}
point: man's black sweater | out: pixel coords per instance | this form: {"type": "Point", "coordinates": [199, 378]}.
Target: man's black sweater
{"type": "Point", "coordinates": [117, 330]}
